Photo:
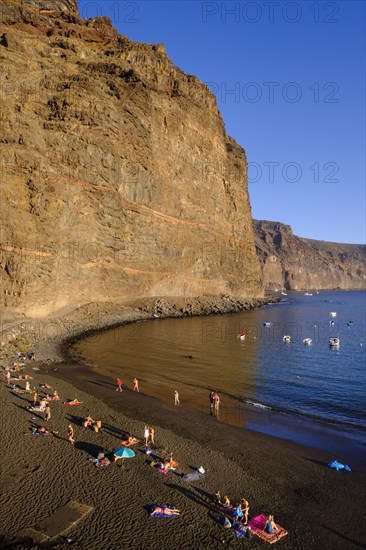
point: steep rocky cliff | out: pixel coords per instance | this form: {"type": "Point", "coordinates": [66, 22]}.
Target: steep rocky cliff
{"type": "Point", "coordinates": [294, 263]}
{"type": "Point", "coordinates": [118, 178]}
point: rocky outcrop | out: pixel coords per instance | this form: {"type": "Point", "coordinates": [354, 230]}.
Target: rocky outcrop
{"type": "Point", "coordinates": [119, 180]}
{"type": "Point", "coordinates": [295, 263]}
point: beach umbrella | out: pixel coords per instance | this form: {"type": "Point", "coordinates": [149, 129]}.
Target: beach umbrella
{"type": "Point", "coordinates": [124, 452]}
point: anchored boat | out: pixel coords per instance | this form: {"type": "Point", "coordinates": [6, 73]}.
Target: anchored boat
{"type": "Point", "coordinates": [334, 342]}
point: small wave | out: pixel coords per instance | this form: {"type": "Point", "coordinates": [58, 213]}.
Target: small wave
{"type": "Point", "coordinates": [260, 405]}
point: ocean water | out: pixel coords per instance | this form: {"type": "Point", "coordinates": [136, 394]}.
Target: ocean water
{"type": "Point", "coordinates": [310, 394]}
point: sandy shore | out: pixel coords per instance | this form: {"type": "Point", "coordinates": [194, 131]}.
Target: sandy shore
{"type": "Point", "coordinates": [320, 508]}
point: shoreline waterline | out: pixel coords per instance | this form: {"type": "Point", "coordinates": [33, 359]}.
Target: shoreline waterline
{"type": "Point", "coordinates": [311, 432]}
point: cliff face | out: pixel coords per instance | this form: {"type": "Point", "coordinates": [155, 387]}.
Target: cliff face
{"type": "Point", "coordinates": [294, 263]}
{"type": "Point", "coordinates": [118, 179]}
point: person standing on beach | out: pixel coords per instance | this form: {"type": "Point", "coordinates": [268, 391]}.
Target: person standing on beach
{"type": "Point", "coordinates": [35, 398]}
{"type": "Point", "coordinates": [27, 386]}
{"type": "Point", "coordinates": [135, 385]}
{"type": "Point", "coordinates": [70, 434]}
{"type": "Point", "coordinates": [216, 404]}
{"type": "Point", "coordinates": [47, 413]}
{"type": "Point", "coordinates": [244, 505]}
{"type": "Point", "coordinates": [151, 435]}
{"type": "Point", "coordinates": [211, 397]}
{"type": "Point", "coordinates": [176, 398]}
{"type": "Point", "coordinates": [119, 385]}
{"type": "Point", "coordinates": [146, 435]}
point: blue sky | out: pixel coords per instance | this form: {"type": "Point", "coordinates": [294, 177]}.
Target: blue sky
{"type": "Point", "coordinates": [289, 78]}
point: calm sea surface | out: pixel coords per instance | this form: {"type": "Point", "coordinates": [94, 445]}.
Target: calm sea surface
{"type": "Point", "coordinates": [310, 394]}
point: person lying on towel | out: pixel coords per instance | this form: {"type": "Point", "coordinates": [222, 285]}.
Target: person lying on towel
{"type": "Point", "coordinates": [165, 510]}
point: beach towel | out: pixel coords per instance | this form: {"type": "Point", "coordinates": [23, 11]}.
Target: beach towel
{"type": "Point", "coordinates": [194, 476]}
{"type": "Point", "coordinates": [161, 514]}
{"type": "Point", "coordinates": [242, 531]}
{"type": "Point", "coordinates": [257, 524]}
{"type": "Point", "coordinates": [339, 466]}
{"type": "Point", "coordinates": [100, 463]}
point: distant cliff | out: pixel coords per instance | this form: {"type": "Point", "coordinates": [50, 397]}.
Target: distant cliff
{"type": "Point", "coordinates": [295, 263]}
{"type": "Point", "coordinates": [119, 180]}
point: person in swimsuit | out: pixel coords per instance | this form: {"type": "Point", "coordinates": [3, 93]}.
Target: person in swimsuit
{"type": "Point", "coordinates": [88, 421]}
{"type": "Point", "coordinates": [151, 435]}
{"type": "Point", "coordinates": [165, 510]}
{"type": "Point", "coordinates": [176, 398]}
{"type": "Point", "coordinates": [70, 434]}
{"type": "Point", "coordinates": [270, 526]}
{"type": "Point", "coordinates": [146, 435]}
{"type": "Point", "coordinates": [244, 504]}
{"type": "Point", "coordinates": [136, 385]}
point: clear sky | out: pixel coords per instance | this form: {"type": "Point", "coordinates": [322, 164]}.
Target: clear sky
{"type": "Point", "coordinates": [289, 78]}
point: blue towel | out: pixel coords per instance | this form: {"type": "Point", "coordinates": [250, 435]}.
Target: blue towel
{"type": "Point", "coordinates": [162, 515]}
{"type": "Point", "coordinates": [339, 466]}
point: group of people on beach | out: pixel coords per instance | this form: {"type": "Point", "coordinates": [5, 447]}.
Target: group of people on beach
{"type": "Point", "coordinates": [135, 383]}
{"type": "Point", "coordinates": [233, 515]}
{"type": "Point", "coordinates": [238, 514]}
{"type": "Point", "coordinates": [95, 425]}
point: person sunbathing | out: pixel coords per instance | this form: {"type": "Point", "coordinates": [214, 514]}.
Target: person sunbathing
{"type": "Point", "coordinates": [40, 407]}
{"type": "Point", "coordinates": [54, 397]}
{"type": "Point", "coordinates": [88, 421]}
{"type": "Point", "coordinates": [173, 463]}
{"type": "Point", "coordinates": [130, 441]}
{"type": "Point", "coordinates": [270, 526]}
{"type": "Point", "coordinates": [218, 497]}
{"type": "Point", "coordinates": [72, 402]}
{"type": "Point", "coordinates": [165, 510]}
{"type": "Point", "coordinates": [170, 464]}
{"type": "Point", "coordinates": [46, 386]}
{"type": "Point", "coordinates": [41, 430]}
{"type": "Point", "coordinates": [97, 426]}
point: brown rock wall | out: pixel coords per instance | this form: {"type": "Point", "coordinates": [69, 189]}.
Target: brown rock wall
{"type": "Point", "coordinates": [295, 263]}
{"type": "Point", "coordinates": [119, 180]}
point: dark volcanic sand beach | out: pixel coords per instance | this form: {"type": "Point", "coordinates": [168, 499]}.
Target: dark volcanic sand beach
{"type": "Point", "coordinates": [320, 508]}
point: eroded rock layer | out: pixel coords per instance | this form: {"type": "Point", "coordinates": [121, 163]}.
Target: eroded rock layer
{"type": "Point", "coordinates": [295, 263]}
{"type": "Point", "coordinates": [118, 178]}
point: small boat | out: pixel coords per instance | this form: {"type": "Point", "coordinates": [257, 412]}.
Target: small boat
{"type": "Point", "coordinates": [287, 339]}
{"type": "Point", "coordinates": [349, 323]}
{"type": "Point", "coordinates": [267, 324]}
{"type": "Point", "coordinates": [307, 341]}
{"type": "Point", "coordinates": [284, 293]}
{"type": "Point", "coordinates": [241, 336]}
{"type": "Point", "coordinates": [308, 294]}
{"type": "Point", "coordinates": [332, 314]}
{"type": "Point", "coordinates": [331, 323]}
{"type": "Point", "coordinates": [334, 342]}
